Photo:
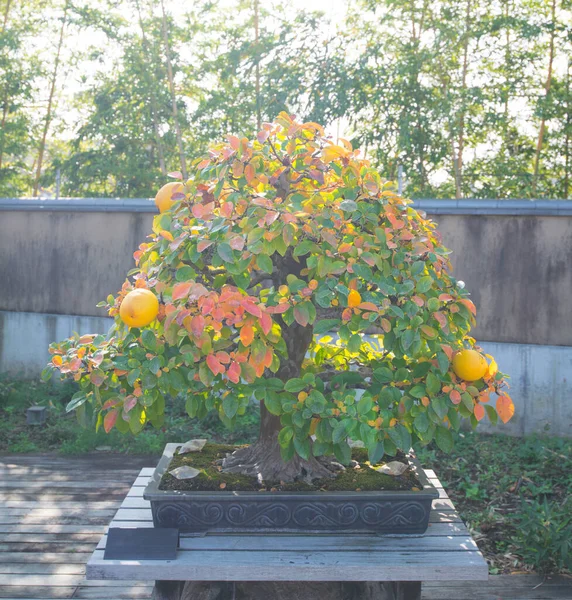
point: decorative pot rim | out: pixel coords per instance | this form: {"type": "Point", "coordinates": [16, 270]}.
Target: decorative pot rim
{"type": "Point", "coordinates": [153, 493]}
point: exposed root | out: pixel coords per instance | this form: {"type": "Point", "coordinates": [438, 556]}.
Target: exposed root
{"type": "Point", "coordinates": [263, 461]}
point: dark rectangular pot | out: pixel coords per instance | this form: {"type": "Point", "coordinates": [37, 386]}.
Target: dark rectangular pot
{"type": "Point", "coordinates": [388, 512]}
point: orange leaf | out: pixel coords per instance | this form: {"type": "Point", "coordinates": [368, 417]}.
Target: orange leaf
{"type": "Point", "coordinates": [233, 141]}
{"type": "Point", "coordinates": [109, 420]}
{"type": "Point", "coordinates": [167, 235]}
{"type": "Point", "coordinates": [505, 408]}
{"type": "Point", "coordinates": [441, 319]}
{"type": "Point", "coordinates": [469, 305]}
{"type": "Point", "coordinates": [368, 306]}
{"type": "Point", "coordinates": [57, 361]}
{"type": "Point", "coordinates": [479, 411]}
{"type": "Point", "coordinates": [425, 401]}
{"type": "Point", "coordinates": [445, 297]}
{"type": "Point", "coordinates": [251, 307]}
{"type": "Point", "coordinates": [246, 334]}
{"type": "Point", "coordinates": [448, 351]}
{"type": "Point", "coordinates": [181, 290]}
{"type": "Point", "coordinates": [198, 325]}
{"type": "Point", "coordinates": [386, 325]}
{"type": "Point", "coordinates": [233, 372]}
{"type": "Point", "coordinates": [279, 309]}
{"type": "Point", "coordinates": [455, 397]}
{"type": "Point", "coordinates": [429, 331]}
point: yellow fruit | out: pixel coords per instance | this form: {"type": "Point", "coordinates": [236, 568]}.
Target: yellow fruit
{"type": "Point", "coordinates": [469, 365]}
{"type": "Point", "coordinates": [354, 298]}
{"type": "Point", "coordinates": [139, 308]}
{"type": "Point", "coordinates": [163, 197]}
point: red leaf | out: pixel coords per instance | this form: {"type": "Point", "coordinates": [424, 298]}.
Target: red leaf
{"type": "Point", "coordinates": [233, 141]}
{"type": "Point", "coordinates": [278, 309]}
{"type": "Point", "coordinates": [198, 211]}
{"type": "Point", "coordinates": [247, 334]}
{"type": "Point", "coordinates": [301, 316]}
{"type": "Point", "coordinates": [368, 306]}
{"type": "Point", "coordinates": [479, 411]}
{"type": "Point", "coordinates": [203, 245]}
{"type": "Point", "coordinates": [129, 403]}
{"type": "Point", "coordinates": [448, 351]}
{"type": "Point", "coordinates": [198, 290]}
{"type": "Point", "coordinates": [455, 397]}
{"type": "Point", "coordinates": [214, 365]}
{"type": "Point", "coordinates": [252, 308]}
{"type": "Point", "coordinates": [266, 323]}
{"type": "Point", "coordinates": [505, 408]}
{"type": "Point", "coordinates": [175, 175]}
{"type": "Point", "coordinates": [386, 325]}
{"type": "Point", "coordinates": [441, 319]}
{"type": "Point", "coordinates": [262, 136]}
{"type": "Point", "coordinates": [109, 420]}
{"type": "Point", "coordinates": [181, 290]}
{"type": "Point", "coordinates": [445, 297]}
{"type": "Point", "coordinates": [178, 196]}
{"type": "Point", "coordinates": [233, 372]}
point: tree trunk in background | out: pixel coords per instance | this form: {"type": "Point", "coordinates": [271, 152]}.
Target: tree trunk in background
{"type": "Point", "coordinates": [50, 102]}
{"type": "Point", "coordinates": [173, 96]}
{"type": "Point", "coordinates": [4, 99]}
{"type": "Point", "coordinates": [461, 139]}
{"type": "Point", "coordinates": [6, 12]}
{"type": "Point", "coordinates": [257, 68]}
{"type": "Point", "coordinates": [547, 88]}
{"type": "Point", "coordinates": [567, 141]}
{"type": "Point", "coordinates": [152, 100]}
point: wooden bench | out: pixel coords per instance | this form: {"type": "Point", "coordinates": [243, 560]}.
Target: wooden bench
{"type": "Point", "coordinates": [312, 567]}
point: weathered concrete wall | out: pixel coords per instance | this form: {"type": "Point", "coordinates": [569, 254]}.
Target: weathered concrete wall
{"type": "Point", "coordinates": [517, 266]}
{"type": "Point", "coordinates": [519, 272]}
{"type": "Point", "coordinates": [540, 376]}
{"type": "Point", "coordinates": [66, 262]}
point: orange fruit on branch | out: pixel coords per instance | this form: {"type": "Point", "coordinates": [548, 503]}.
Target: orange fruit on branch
{"type": "Point", "coordinates": [469, 365]}
{"type": "Point", "coordinates": [163, 198]}
{"type": "Point", "coordinates": [139, 308]}
{"type": "Point", "coordinates": [354, 298]}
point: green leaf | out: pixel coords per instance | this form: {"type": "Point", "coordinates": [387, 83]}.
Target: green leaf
{"type": "Point", "coordinates": [285, 436]}
{"type": "Point", "coordinates": [225, 252]}
{"type": "Point", "coordinates": [348, 205]}
{"type": "Point", "coordinates": [375, 452]}
{"type": "Point", "coordinates": [444, 439]}
{"type": "Point", "coordinates": [149, 340]}
{"type": "Point", "coordinates": [272, 403]}
{"type": "Point", "coordinates": [303, 248]}
{"type": "Point", "coordinates": [417, 391]}
{"type": "Point", "coordinates": [230, 406]}
{"type": "Point", "coordinates": [355, 343]}
{"type": "Point", "coordinates": [302, 447]}
{"type": "Point", "coordinates": [264, 263]}
{"type": "Point", "coordinates": [424, 284]}
{"type": "Point", "coordinates": [491, 414]}
{"type": "Point", "coordinates": [407, 339]}
{"type": "Point", "coordinates": [433, 384]}
{"type": "Point", "coordinates": [383, 375]}
{"type": "Point", "coordinates": [343, 452]}
{"type": "Point", "coordinates": [441, 406]}
{"type": "Point", "coordinates": [76, 400]}
{"type": "Point", "coordinates": [340, 433]}
{"type": "Point", "coordinates": [443, 362]}
{"type": "Point", "coordinates": [326, 324]}
{"type": "Point", "coordinates": [421, 422]}
{"type": "Point", "coordinates": [295, 385]}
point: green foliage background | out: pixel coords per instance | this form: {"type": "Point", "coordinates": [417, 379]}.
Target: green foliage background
{"type": "Point", "coordinates": [471, 97]}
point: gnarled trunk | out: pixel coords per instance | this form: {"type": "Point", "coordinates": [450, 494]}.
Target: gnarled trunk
{"type": "Point", "coordinates": [263, 459]}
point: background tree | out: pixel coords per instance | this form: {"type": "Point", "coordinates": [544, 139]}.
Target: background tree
{"type": "Point", "coordinates": [271, 244]}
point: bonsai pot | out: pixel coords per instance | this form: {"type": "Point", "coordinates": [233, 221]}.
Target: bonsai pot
{"type": "Point", "coordinates": [383, 511]}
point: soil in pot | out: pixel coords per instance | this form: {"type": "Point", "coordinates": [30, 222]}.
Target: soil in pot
{"type": "Point", "coordinates": [358, 476]}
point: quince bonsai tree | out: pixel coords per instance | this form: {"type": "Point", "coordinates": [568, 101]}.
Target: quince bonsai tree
{"type": "Point", "coordinates": [287, 271]}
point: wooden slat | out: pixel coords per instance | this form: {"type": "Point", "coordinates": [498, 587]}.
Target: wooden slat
{"type": "Point", "coordinates": [322, 543]}
{"type": "Point", "coordinates": [34, 568]}
{"type": "Point", "coordinates": [45, 557]}
{"type": "Point", "coordinates": [292, 566]}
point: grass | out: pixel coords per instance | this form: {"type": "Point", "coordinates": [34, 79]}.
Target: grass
{"type": "Point", "coordinates": [515, 494]}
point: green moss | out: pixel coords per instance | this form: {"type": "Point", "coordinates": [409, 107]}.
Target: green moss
{"type": "Point", "coordinates": [211, 478]}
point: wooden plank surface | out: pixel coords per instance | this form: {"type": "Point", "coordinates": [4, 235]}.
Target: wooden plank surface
{"type": "Point", "coordinates": [29, 571]}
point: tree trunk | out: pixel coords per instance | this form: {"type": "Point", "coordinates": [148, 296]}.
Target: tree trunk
{"type": "Point", "coordinates": [173, 96]}
{"type": "Point", "coordinates": [257, 68]}
{"type": "Point", "coordinates": [50, 101]}
{"type": "Point", "coordinates": [152, 100]}
{"type": "Point", "coordinates": [461, 140]}
{"type": "Point", "coordinates": [547, 88]}
{"type": "Point", "coordinates": [6, 11]}
{"type": "Point", "coordinates": [567, 141]}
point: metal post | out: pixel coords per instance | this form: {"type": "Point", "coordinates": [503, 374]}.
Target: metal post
{"type": "Point", "coordinates": [400, 179]}
{"type": "Point", "coordinates": [58, 181]}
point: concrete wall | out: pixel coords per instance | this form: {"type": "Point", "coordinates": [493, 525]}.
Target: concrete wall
{"type": "Point", "coordinates": [63, 258]}
{"type": "Point", "coordinates": [540, 376]}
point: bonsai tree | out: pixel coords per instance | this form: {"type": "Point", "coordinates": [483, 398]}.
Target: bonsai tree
{"type": "Point", "coordinates": [287, 271]}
